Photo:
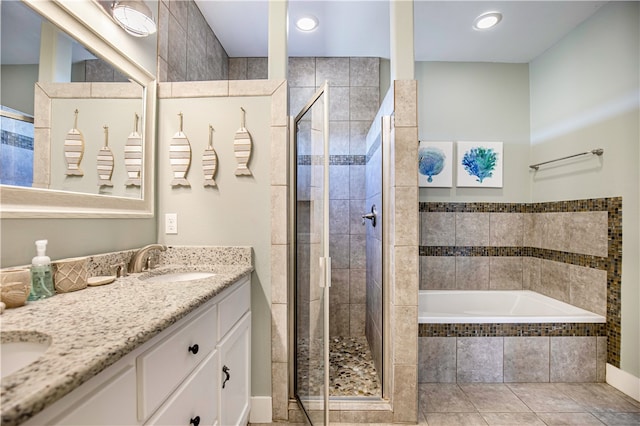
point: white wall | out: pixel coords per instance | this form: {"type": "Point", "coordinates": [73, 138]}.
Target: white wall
{"type": "Point", "coordinates": [237, 212]}
{"type": "Point", "coordinates": [477, 102]}
{"type": "Point", "coordinates": [16, 81]}
{"type": "Point", "coordinates": [584, 95]}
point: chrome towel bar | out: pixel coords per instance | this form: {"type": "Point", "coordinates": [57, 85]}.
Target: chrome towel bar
{"type": "Point", "coordinates": [597, 151]}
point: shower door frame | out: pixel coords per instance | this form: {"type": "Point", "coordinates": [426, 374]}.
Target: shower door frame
{"type": "Point", "coordinates": [325, 260]}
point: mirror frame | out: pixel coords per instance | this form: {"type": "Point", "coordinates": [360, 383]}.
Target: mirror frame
{"type": "Point", "coordinates": [17, 202]}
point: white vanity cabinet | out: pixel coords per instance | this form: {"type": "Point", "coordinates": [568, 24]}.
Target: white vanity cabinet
{"type": "Point", "coordinates": [118, 390]}
{"type": "Point", "coordinates": [235, 357]}
{"type": "Point", "coordinates": [162, 368]}
{"type": "Point", "coordinates": [235, 362]}
{"type": "Point", "coordinates": [196, 372]}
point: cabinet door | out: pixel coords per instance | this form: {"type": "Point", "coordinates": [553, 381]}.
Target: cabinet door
{"type": "Point", "coordinates": [162, 368]}
{"type": "Point", "coordinates": [235, 373]}
{"type": "Point", "coordinates": [234, 306]}
{"type": "Point", "coordinates": [196, 401]}
{"type": "Point", "coordinates": [113, 403]}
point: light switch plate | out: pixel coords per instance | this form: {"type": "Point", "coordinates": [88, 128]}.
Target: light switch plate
{"type": "Point", "coordinates": [171, 223]}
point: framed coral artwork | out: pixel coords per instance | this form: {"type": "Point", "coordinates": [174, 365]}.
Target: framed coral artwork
{"type": "Point", "coordinates": [479, 164]}
{"type": "Point", "coordinates": [435, 164]}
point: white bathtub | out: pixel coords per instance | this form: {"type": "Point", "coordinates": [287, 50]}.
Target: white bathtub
{"type": "Point", "coordinates": [497, 306]}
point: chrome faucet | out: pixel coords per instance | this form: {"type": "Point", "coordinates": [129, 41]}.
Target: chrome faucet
{"type": "Point", "coordinates": [141, 260]}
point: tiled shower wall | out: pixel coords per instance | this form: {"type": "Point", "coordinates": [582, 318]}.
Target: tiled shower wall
{"type": "Point", "coordinates": [568, 250]}
{"type": "Point", "coordinates": [353, 103]}
{"type": "Point", "coordinates": [354, 98]}
{"type": "Point", "coordinates": [96, 70]}
{"type": "Point", "coordinates": [374, 262]}
{"type": "Point", "coordinates": [188, 49]}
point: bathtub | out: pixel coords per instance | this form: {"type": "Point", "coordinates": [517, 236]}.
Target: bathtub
{"type": "Point", "coordinates": [497, 306]}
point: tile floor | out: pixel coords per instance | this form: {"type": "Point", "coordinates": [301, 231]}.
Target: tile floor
{"type": "Point", "coordinates": [521, 404]}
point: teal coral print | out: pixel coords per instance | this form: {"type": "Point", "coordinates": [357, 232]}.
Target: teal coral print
{"type": "Point", "coordinates": [431, 161]}
{"type": "Point", "coordinates": [480, 162]}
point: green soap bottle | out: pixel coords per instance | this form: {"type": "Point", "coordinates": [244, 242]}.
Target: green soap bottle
{"type": "Point", "coordinates": [41, 276]}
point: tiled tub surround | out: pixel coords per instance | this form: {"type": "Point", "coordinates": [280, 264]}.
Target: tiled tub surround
{"type": "Point", "coordinates": [93, 328]}
{"type": "Point", "coordinates": [502, 357]}
{"type": "Point", "coordinates": [568, 250]}
{"type": "Point", "coordinates": [511, 351]}
{"type": "Point", "coordinates": [512, 359]}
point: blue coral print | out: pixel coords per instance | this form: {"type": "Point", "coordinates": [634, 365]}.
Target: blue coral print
{"type": "Point", "coordinates": [430, 162]}
{"type": "Point", "coordinates": [480, 162]}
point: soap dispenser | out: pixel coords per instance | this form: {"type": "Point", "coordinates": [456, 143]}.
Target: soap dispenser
{"type": "Point", "coordinates": [41, 276]}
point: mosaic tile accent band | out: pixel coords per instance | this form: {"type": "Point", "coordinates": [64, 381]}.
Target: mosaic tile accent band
{"type": "Point", "coordinates": [16, 139]}
{"type": "Point", "coordinates": [512, 330]}
{"type": "Point", "coordinates": [589, 261]}
{"type": "Point", "coordinates": [587, 205]}
{"type": "Point", "coordinates": [612, 264]}
{"type": "Point", "coordinates": [334, 160]}
{"type": "Point", "coordinates": [373, 148]}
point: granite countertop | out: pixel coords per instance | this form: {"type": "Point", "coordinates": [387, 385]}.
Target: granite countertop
{"type": "Point", "coordinates": [93, 328]}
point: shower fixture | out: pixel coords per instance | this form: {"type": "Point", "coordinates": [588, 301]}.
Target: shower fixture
{"type": "Point", "coordinates": [371, 216]}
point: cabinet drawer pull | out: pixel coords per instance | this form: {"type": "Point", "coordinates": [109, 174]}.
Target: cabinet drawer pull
{"type": "Point", "coordinates": [226, 370]}
{"type": "Point", "coordinates": [195, 421]}
{"type": "Point", "coordinates": [194, 350]}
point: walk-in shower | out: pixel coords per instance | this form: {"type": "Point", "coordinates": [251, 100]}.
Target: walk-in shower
{"type": "Point", "coordinates": [338, 265]}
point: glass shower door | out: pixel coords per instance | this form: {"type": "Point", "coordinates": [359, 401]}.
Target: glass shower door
{"type": "Point", "coordinates": [312, 261]}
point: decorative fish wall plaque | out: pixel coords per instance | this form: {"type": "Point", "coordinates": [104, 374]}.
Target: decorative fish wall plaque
{"type": "Point", "coordinates": [210, 161]}
{"type": "Point", "coordinates": [133, 155]}
{"type": "Point", "coordinates": [74, 149]}
{"type": "Point", "coordinates": [105, 161]}
{"type": "Point", "coordinates": [180, 157]}
{"type": "Point", "coordinates": [242, 148]}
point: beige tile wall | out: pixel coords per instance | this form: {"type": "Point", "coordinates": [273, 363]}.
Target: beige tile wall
{"type": "Point", "coordinates": [512, 359]}
{"type": "Point", "coordinates": [584, 233]}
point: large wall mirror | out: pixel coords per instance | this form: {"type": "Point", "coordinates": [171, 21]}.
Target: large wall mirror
{"type": "Point", "coordinates": [78, 119]}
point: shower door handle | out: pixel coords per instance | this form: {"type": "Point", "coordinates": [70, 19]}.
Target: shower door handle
{"type": "Point", "coordinates": [371, 216]}
{"type": "Point", "coordinates": [325, 272]}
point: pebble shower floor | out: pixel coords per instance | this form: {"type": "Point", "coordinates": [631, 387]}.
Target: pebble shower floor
{"type": "Point", "coordinates": [352, 372]}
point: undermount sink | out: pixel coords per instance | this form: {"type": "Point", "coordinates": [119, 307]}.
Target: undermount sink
{"type": "Point", "coordinates": [18, 354]}
{"type": "Point", "coordinates": [179, 276]}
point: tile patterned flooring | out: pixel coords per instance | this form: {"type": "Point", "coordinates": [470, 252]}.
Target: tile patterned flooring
{"type": "Point", "coordinates": [522, 404]}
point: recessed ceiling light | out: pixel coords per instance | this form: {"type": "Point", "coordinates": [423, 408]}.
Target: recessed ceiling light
{"type": "Point", "coordinates": [307, 23]}
{"type": "Point", "coordinates": [487, 20]}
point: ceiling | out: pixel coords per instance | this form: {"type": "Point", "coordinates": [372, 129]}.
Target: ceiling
{"type": "Point", "coordinates": [443, 29]}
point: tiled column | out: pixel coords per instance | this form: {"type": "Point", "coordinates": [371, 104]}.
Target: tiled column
{"type": "Point", "coordinates": [405, 279]}
{"type": "Point", "coordinates": [279, 252]}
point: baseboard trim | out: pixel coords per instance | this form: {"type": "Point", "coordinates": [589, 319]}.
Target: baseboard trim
{"type": "Point", "coordinates": [624, 382]}
{"type": "Point", "coordinates": [260, 409]}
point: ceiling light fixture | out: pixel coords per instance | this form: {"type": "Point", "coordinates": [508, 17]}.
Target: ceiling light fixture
{"type": "Point", "coordinates": [307, 23]}
{"type": "Point", "coordinates": [487, 20]}
{"type": "Point", "coordinates": [135, 17]}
